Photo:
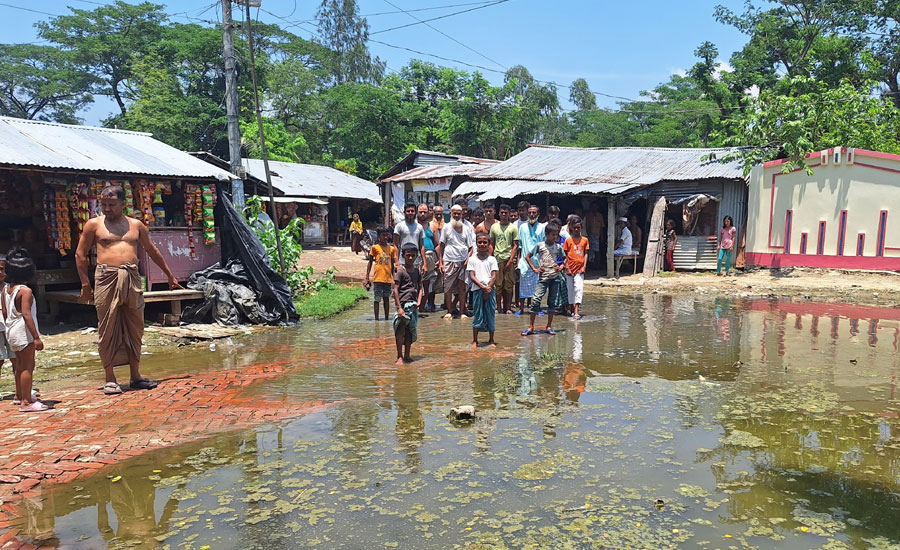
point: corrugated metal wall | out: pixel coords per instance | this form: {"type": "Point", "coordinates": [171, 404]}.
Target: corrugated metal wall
{"type": "Point", "coordinates": [734, 204]}
{"type": "Point", "coordinates": [695, 253]}
{"type": "Point", "coordinates": [701, 253]}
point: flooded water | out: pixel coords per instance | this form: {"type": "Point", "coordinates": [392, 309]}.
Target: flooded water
{"type": "Point", "coordinates": [655, 422]}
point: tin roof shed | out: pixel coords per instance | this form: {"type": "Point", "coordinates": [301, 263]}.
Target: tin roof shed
{"type": "Point", "coordinates": [610, 171]}
{"type": "Point", "coordinates": [65, 147]}
{"type": "Point", "coordinates": [419, 161]}
{"type": "Point", "coordinates": [310, 180]}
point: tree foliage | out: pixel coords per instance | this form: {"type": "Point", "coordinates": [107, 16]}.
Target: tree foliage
{"type": "Point", "coordinates": [345, 33]}
{"type": "Point", "coordinates": [41, 83]}
{"type": "Point", "coordinates": [811, 75]}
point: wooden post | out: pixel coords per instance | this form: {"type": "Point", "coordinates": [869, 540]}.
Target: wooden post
{"type": "Point", "coordinates": [653, 259]}
{"type": "Point", "coordinates": [610, 236]}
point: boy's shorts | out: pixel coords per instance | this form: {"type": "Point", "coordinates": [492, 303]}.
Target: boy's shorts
{"type": "Point", "coordinates": [548, 287]}
{"type": "Point", "coordinates": [381, 291]}
{"type": "Point", "coordinates": [6, 352]}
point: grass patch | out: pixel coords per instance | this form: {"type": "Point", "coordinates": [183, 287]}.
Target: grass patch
{"type": "Point", "coordinates": [328, 302]}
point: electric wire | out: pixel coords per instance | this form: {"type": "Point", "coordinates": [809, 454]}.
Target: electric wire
{"type": "Point", "coordinates": [424, 21]}
{"type": "Point", "coordinates": [442, 33]}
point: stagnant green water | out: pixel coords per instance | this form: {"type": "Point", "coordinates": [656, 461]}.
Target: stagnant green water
{"type": "Point", "coordinates": [655, 422]}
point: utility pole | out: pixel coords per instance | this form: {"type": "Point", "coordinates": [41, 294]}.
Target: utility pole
{"type": "Point", "coordinates": [231, 108]}
{"type": "Point", "coordinates": [262, 134]}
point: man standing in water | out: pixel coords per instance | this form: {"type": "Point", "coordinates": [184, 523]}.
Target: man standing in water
{"type": "Point", "coordinates": [119, 296]}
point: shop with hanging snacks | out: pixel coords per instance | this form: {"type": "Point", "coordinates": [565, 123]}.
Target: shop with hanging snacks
{"type": "Point", "coordinates": [51, 178]}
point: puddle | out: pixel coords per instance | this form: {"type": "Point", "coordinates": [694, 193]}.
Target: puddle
{"type": "Point", "coordinates": [656, 422]}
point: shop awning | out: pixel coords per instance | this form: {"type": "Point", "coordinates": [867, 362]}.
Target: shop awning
{"type": "Point", "coordinates": [303, 200]}
{"type": "Point", "coordinates": [492, 189]}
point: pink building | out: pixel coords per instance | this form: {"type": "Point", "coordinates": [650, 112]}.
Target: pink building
{"type": "Point", "coordinates": [845, 215]}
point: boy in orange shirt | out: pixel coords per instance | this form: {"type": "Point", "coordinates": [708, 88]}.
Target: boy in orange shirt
{"type": "Point", "coordinates": [576, 248]}
{"type": "Point", "coordinates": [384, 256]}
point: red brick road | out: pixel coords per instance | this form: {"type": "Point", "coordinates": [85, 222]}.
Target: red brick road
{"type": "Point", "coordinates": [87, 430]}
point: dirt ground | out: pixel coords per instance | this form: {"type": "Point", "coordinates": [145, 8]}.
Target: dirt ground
{"type": "Point", "coordinates": [857, 287]}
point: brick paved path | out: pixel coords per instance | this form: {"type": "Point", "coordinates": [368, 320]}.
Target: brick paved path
{"type": "Point", "coordinates": [87, 430]}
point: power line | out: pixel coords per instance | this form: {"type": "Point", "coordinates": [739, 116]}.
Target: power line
{"type": "Point", "coordinates": [28, 9]}
{"type": "Point", "coordinates": [428, 9]}
{"type": "Point", "coordinates": [439, 17]}
{"type": "Point", "coordinates": [432, 27]}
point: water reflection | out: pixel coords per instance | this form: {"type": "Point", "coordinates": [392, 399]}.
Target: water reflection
{"type": "Point", "coordinates": [742, 416]}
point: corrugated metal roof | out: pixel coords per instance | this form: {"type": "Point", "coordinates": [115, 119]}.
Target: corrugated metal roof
{"type": "Point", "coordinates": [421, 157]}
{"type": "Point", "coordinates": [492, 189]}
{"type": "Point", "coordinates": [634, 165]}
{"type": "Point", "coordinates": [29, 143]}
{"type": "Point", "coordinates": [432, 172]}
{"type": "Point", "coordinates": [310, 180]}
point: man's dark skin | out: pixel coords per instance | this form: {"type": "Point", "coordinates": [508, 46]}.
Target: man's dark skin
{"type": "Point", "coordinates": [117, 237]}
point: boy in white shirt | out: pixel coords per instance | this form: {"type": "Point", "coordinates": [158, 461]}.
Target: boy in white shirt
{"type": "Point", "coordinates": [482, 268]}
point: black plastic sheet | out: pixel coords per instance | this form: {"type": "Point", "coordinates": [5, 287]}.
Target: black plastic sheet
{"type": "Point", "coordinates": [246, 289]}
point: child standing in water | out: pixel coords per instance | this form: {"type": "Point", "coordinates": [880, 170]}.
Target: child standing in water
{"type": "Point", "coordinates": [726, 245]}
{"type": "Point", "coordinates": [548, 255]}
{"type": "Point", "coordinates": [483, 269]}
{"type": "Point", "coordinates": [20, 317]}
{"type": "Point", "coordinates": [384, 256]}
{"type": "Point", "coordinates": [407, 291]}
{"type": "Point", "coordinates": [576, 248]}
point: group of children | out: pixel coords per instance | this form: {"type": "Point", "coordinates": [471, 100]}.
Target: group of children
{"type": "Point", "coordinates": [19, 335]}
{"type": "Point", "coordinates": [558, 263]}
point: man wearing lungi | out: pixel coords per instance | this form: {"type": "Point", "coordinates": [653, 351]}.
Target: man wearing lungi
{"type": "Point", "coordinates": [118, 293]}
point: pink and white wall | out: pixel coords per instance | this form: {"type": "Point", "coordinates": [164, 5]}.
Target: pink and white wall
{"type": "Point", "coordinates": [846, 215]}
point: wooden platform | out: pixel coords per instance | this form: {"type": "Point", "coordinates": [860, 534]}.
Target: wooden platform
{"type": "Point", "coordinates": [174, 297]}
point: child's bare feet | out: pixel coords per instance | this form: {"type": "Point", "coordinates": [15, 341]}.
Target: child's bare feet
{"type": "Point", "coordinates": [474, 345]}
{"type": "Point", "coordinates": [492, 343]}
{"type": "Point", "coordinates": [399, 361]}
{"type": "Point", "coordinates": [407, 359]}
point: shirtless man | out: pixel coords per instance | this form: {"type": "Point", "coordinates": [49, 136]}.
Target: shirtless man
{"type": "Point", "coordinates": [118, 295]}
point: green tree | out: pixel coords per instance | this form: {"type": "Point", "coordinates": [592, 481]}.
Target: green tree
{"type": "Point", "coordinates": [364, 123]}
{"type": "Point", "coordinates": [600, 128]}
{"type": "Point", "coordinates": [345, 33]}
{"type": "Point", "coordinates": [106, 42]}
{"type": "Point", "coordinates": [581, 95]}
{"type": "Point", "coordinates": [177, 92]}
{"type": "Point", "coordinates": [811, 38]}
{"type": "Point", "coordinates": [41, 83]}
{"type": "Point", "coordinates": [280, 143]}
{"type": "Point", "coordinates": [882, 29]}
{"type": "Point", "coordinates": [789, 126]}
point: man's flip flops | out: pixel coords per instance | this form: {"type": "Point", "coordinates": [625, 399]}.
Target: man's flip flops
{"type": "Point", "coordinates": [527, 332]}
{"type": "Point", "coordinates": [143, 384]}
{"type": "Point", "coordinates": [111, 388]}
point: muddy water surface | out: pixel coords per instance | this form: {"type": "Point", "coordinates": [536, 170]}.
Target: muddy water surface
{"type": "Point", "coordinates": [655, 422]}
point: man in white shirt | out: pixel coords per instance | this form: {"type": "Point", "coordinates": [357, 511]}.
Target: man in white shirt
{"type": "Point", "coordinates": [457, 242]}
{"type": "Point", "coordinates": [623, 244]}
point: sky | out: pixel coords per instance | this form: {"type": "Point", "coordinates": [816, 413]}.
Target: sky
{"type": "Point", "coordinates": [620, 48]}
